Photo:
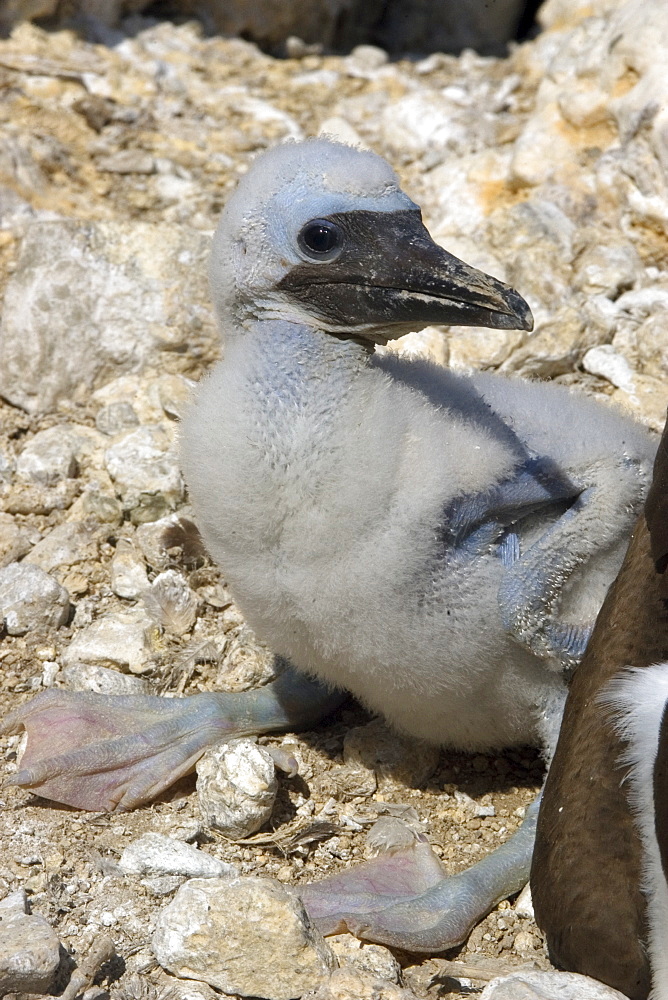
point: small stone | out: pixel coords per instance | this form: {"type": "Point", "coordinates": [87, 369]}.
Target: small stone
{"type": "Point", "coordinates": [236, 788]}
{"type": "Point", "coordinates": [128, 571]}
{"type": "Point", "coordinates": [48, 458]}
{"type": "Point", "coordinates": [245, 935]}
{"type": "Point", "coordinates": [153, 539]}
{"type": "Point", "coordinates": [536, 985]}
{"type": "Point", "coordinates": [143, 465]}
{"type": "Point", "coordinates": [171, 603]}
{"type": "Point", "coordinates": [607, 363]}
{"type": "Point", "coordinates": [27, 498]}
{"type": "Point", "coordinates": [29, 951]}
{"type": "Point", "coordinates": [30, 599]}
{"type": "Point", "coordinates": [366, 58]}
{"type": "Point", "coordinates": [524, 903]}
{"type": "Point", "coordinates": [115, 641]}
{"type": "Point", "coordinates": [102, 680]}
{"type": "Point", "coordinates": [65, 545]}
{"type": "Point", "coordinates": [116, 418]}
{"type": "Point", "coordinates": [128, 161]}
{"type": "Point", "coordinates": [175, 393]}
{"type": "Point", "coordinates": [13, 542]}
{"type": "Point", "coordinates": [370, 958]}
{"type": "Point", "coordinates": [157, 854]}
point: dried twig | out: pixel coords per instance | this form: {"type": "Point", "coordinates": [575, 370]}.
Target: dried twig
{"type": "Point", "coordinates": [102, 950]}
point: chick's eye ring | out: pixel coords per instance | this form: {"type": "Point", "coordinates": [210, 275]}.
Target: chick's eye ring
{"type": "Point", "coordinates": [320, 239]}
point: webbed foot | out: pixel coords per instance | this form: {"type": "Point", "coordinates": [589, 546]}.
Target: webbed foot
{"type": "Point", "coordinates": [404, 899]}
{"type": "Point", "coordinates": [114, 752]}
{"type": "Point", "coordinates": [110, 752]}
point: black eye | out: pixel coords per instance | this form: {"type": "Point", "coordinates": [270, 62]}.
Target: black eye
{"type": "Point", "coordinates": [321, 239]}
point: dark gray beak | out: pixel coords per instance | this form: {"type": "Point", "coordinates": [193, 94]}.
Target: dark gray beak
{"type": "Point", "coordinates": [388, 272]}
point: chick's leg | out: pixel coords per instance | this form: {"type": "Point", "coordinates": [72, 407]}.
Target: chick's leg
{"type": "Point", "coordinates": [404, 899]}
{"type": "Point", "coordinates": [113, 752]}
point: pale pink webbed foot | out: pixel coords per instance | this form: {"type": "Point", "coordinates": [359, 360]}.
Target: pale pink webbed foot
{"type": "Point", "coordinates": [404, 899]}
{"type": "Point", "coordinates": [110, 752]}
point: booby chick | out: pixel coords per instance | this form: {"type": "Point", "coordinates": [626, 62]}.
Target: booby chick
{"type": "Point", "coordinates": [600, 869]}
{"type": "Point", "coordinates": [436, 544]}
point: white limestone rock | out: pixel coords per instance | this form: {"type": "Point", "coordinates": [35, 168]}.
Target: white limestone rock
{"type": "Point", "coordinates": [129, 578]}
{"type": "Point", "coordinates": [65, 545]}
{"type": "Point", "coordinates": [373, 959]}
{"type": "Point", "coordinates": [90, 299]}
{"type": "Point", "coordinates": [248, 936]}
{"type": "Point", "coordinates": [119, 641]}
{"type": "Point", "coordinates": [157, 854]}
{"type": "Point", "coordinates": [102, 680]}
{"type": "Point", "coordinates": [236, 787]}
{"type": "Point", "coordinates": [31, 600]}
{"type": "Point", "coordinates": [548, 986]}
{"type": "Point", "coordinates": [48, 457]}
{"type": "Point", "coordinates": [143, 464]}
{"type": "Point", "coordinates": [14, 543]}
{"type": "Point", "coordinates": [29, 948]}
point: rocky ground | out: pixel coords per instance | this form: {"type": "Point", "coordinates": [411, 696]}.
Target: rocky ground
{"type": "Point", "coordinates": [547, 168]}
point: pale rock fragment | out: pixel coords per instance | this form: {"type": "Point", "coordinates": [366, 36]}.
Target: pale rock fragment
{"type": "Point", "coordinates": [29, 948]}
{"type": "Point", "coordinates": [373, 959]}
{"type": "Point", "coordinates": [48, 457]}
{"type": "Point", "coordinates": [102, 680]}
{"type": "Point", "coordinates": [157, 854]}
{"type": "Point", "coordinates": [606, 362]}
{"type": "Point", "coordinates": [31, 600]}
{"type": "Point", "coordinates": [14, 543]}
{"type": "Point", "coordinates": [65, 545]}
{"type": "Point", "coordinates": [116, 418]}
{"type": "Point", "coordinates": [129, 578]}
{"type": "Point", "coordinates": [118, 641]}
{"type": "Point", "coordinates": [88, 299]}
{"type": "Point", "coordinates": [248, 936]}
{"type": "Point", "coordinates": [143, 465]}
{"type": "Point", "coordinates": [548, 986]}
{"type": "Point", "coordinates": [236, 787]}
{"type": "Point", "coordinates": [29, 498]}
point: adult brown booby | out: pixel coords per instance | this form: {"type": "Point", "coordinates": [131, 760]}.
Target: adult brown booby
{"type": "Point", "coordinates": [600, 862]}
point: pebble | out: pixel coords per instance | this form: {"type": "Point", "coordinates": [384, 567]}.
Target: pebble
{"type": "Point", "coordinates": [116, 418]}
{"type": "Point", "coordinates": [548, 986]}
{"type": "Point", "coordinates": [65, 545]}
{"type": "Point", "coordinates": [144, 466]}
{"type": "Point", "coordinates": [53, 354]}
{"type": "Point", "coordinates": [157, 854]}
{"type": "Point", "coordinates": [14, 543]}
{"type": "Point", "coordinates": [29, 948]}
{"type": "Point", "coordinates": [31, 600]}
{"type": "Point", "coordinates": [129, 578]}
{"type": "Point", "coordinates": [102, 680]}
{"type": "Point", "coordinates": [373, 959]}
{"type": "Point", "coordinates": [49, 457]}
{"type": "Point", "coordinates": [247, 935]}
{"type": "Point", "coordinates": [118, 640]}
{"type": "Point", "coordinates": [236, 788]}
